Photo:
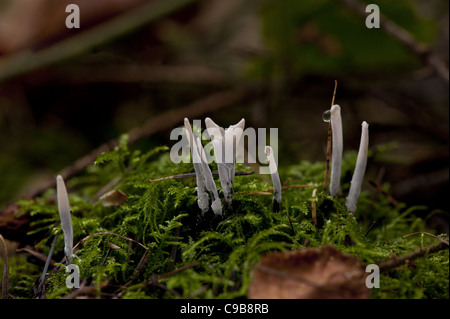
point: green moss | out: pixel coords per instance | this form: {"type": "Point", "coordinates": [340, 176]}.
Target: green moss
{"type": "Point", "coordinates": [203, 256]}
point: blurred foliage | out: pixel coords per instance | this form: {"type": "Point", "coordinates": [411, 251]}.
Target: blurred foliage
{"type": "Point", "coordinates": [323, 37]}
{"type": "Point", "coordinates": [48, 122]}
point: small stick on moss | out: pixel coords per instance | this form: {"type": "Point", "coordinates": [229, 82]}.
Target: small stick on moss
{"type": "Point", "coordinates": [313, 207]}
{"type": "Point", "coordinates": [5, 270]}
{"type": "Point", "coordinates": [327, 167]}
{"type": "Point", "coordinates": [140, 267]}
{"type": "Point", "coordinates": [173, 252]}
{"type": "Point", "coordinates": [269, 191]}
{"type": "Point", "coordinates": [107, 233]}
{"type": "Point", "coordinates": [35, 254]}
{"type": "Point", "coordinates": [370, 228]}
{"type": "Point", "coordinates": [396, 261]}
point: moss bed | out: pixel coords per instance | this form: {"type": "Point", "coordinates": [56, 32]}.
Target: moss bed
{"type": "Point", "coordinates": [153, 241]}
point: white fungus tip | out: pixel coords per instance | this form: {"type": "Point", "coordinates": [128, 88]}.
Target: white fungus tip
{"type": "Point", "coordinates": [335, 107]}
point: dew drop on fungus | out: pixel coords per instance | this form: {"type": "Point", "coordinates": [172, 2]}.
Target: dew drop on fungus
{"type": "Point", "coordinates": [326, 116]}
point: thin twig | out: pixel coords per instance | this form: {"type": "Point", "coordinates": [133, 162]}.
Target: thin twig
{"type": "Point", "coordinates": [396, 261]}
{"type": "Point", "coordinates": [139, 268]}
{"type": "Point", "coordinates": [186, 175]}
{"type": "Point", "coordinates": [327, 167]}
{"type": "Point", "coordinates": [106, 257]}
{"type": "Point", "coordinates": [156, 278]}
{"type": "Point", "coordinates": [282, 274]}
{"type": "Point", "coordinates": [107, 233]}
{"type": "Point", "coordinates": [141, 73]}
{"type": "Point", "coordinates": [425, 233]}
{"type": "Point", "coordinates": [47, 262]}
{"type": "Point", "coordinates": [370, 228]}
{"type": "Point", "coordinates": [35, 254]}
{"type": "Point", "coordinates": [156, 124]}
{"type": "Point", "coordinates": [295, 186]}
{"type": "Point", "coordinates": [85, 290]}
{"type": "Point", "coordinates": [27, 61]}
{"type": "Point", "coordinates": [406, 39]}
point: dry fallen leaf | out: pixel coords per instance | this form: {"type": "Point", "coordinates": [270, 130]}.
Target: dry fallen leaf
{"type": "Point", "coordinates": [312, 273]}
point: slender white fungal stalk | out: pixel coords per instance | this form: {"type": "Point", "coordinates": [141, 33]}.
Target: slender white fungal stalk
{"type": "Point", "coordinates": [202, 196]}
{"type": "Point", "coordinates": [209, 180]}
{"type": "Point", "coordinates": [360, 169]}
{"type": "Point", "coordinates": [225, 143]}
{"type": "Point", "coordinates": [66, 219]}
{"type": "Point", "coordinates": [275, 179]}
{"type": "Point", "coordinates": [337, 147]}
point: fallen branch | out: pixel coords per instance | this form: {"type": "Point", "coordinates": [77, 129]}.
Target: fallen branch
{"type": "Point", "coordinates": [396, 261]}
{"type": "Point", "coordinates": [107, 233]}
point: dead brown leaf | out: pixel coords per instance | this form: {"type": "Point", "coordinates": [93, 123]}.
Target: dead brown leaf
{"type": "Point", "coordinates": [311, 273]}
